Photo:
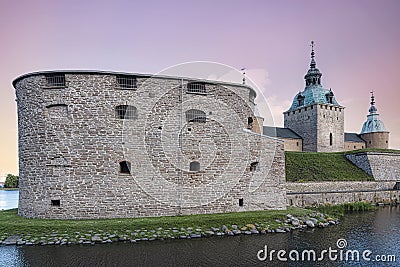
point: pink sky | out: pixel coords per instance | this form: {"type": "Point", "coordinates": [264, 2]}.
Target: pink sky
{"type": "Point", "coordinates": [357, 48]}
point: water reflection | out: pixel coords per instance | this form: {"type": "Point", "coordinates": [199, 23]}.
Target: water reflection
{"type": "Point", "coordinates": [8, 199]}
{"type": "Point", "coordinates": [376, 231]}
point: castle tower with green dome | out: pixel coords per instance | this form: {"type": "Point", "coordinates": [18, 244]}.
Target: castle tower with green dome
{"type": "Point", "coordinates": [373, 131]}
{"type": "Point", "coordinates": [315, 114]}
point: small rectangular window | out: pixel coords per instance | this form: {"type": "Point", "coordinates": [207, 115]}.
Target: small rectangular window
{"type": "Point", "coordinates": [126, 82]}
{"type": "Point", "coordinates": [240, 202]}
{"type": "Point", "coordinates": [55, 80]}
{"type": "Point", "coordinates": [196, 87]}
{"type": "Point", "coordinates": [254, 166]}
{"type": "Point", "coordinates": [55, 202]}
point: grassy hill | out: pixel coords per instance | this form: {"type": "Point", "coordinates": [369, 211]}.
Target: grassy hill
{"type": "Point", "coordinates": [309, 166]}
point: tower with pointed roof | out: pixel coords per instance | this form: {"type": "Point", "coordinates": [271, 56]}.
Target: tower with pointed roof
{"type": "Point", "coordinates": [373, 131]}
{"type": "Point", "coordinates": [315, 114]}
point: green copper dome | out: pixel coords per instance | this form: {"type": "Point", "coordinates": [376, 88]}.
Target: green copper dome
{"type": "Point", "coordinates": [373, 123]}
{"type": "Point", "coordinates": [313, 93]}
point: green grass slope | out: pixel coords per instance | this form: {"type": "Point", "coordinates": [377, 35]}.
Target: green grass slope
{"type": "Point", "coordinates": [309, 166]}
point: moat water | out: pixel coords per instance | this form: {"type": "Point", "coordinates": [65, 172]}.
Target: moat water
{"type": "Point", "coordinates": [8, 199]}
{"type": "Point", "coordinates": [378, 232]}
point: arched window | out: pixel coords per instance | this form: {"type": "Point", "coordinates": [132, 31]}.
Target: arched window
{"type": "Point", "coordinates": [195, 115]}
{"type": "Point", "coordinates": [194, 166]}
{"type": "Point", "coordinates": [57, 111]}
{"type": "Point", "coordinates": [126, 112]}
{"type": "Point", "coordinates": [196, 87]}
{"type": "Point", "coordinates": [125, 167]}
{"type": "Point", "coordinates": [330, 139]}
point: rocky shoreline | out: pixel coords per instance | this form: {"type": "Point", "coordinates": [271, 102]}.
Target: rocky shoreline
{"type": "Point", "coordinates": [92, 237]}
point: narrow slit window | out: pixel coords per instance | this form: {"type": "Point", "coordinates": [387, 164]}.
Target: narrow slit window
{"type": "Point", "coordinates": [250, 122]}
{"type": "Point", "coordinates": [330, 139]}
{"type": "Point", "coordinates": [240, 202]}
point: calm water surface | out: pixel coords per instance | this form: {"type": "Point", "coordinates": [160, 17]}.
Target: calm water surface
{"type": "Point", "coordinates": [8, 199]}
{"type": "Point", "coordinates": [376, 231]}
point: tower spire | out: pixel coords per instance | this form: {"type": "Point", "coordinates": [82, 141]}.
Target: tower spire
{"type": "Point", "coordinates": [372, 109]}
{"type": "Point", "coordinates": [313, 76]}
{"type": "Point", "coordinates": [312, 64]}
{"type": "Point", "coordinates": [372, 98]}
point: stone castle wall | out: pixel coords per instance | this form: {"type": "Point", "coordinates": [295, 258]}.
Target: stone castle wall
{"type": "Point", "coordinates": [380, 165]}
{"type": "Point", "coordinates": [333, 193]}
{"type": "Point", "coordinates": [303, 121]}
{"type": "Point", "coordinates": [71, 144]}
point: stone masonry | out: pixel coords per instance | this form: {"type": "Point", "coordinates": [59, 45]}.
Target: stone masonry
{"type": "Point", "coordinates": [79, 159]}
{"type": "Point", "coordinates": [320, 125]}
{"type": "Point", "coordinates": [380, 165]}
{"type": "Point", "coordinates": [333, 193]}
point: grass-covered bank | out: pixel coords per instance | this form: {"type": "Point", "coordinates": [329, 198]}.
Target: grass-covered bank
{"type": "Point", "coordinates": [342, 209]}
{"type": "Point", "coordinates": [44, 231]}
{"type": "Point", "coordinates": [310, 166]}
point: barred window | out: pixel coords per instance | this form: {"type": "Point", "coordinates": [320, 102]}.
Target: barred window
{"type": "Point", "coordinates": [127, 82]}
{"type": "Point", "coordinates": [195, 115]}
{"type": "Point", "coordinates": [196, 87]}
{"type": "Point", "coordinates": [126, 112]}
{"type": "Point", "coordinates": [55, 80]}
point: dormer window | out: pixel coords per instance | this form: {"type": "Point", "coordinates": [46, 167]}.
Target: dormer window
{"type": "Point", "coordinates": [329, 97]}
{"type": "Point", "coordinates": [300, 100]}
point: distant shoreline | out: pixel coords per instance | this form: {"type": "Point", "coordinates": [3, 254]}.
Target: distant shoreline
{"type": "Point", "coordinates": [9, 189]}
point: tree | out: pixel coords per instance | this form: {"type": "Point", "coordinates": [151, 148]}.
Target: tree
{"type": "Point", "coordinates": [11, 181]}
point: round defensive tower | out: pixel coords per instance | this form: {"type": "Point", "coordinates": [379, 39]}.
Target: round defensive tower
{"type": "Point", "coordinates": [105, 145]}
{"type": "Point", "coordinates": [373, 131]}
